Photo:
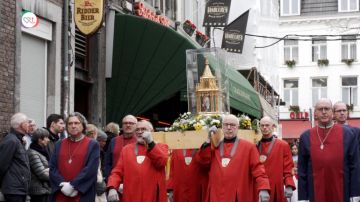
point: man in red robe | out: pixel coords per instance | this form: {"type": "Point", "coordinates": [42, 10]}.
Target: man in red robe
{"type": "Point", "coordinates": [74, 165]}
{"type": "Point", "coordinates": [116, 145]}
{"type": "Point", "coordinates": [328, 162]}
{"type": "Point", "coordinates": [188, 178]}
{"type": "Point", "coordinates": [236, 173]}
{"type": "Point", "coordinates": [141, 169]}
{"type": "Point", "coordinates": [276, 156]}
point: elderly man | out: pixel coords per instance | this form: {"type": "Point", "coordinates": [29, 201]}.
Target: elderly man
{"type": "Point", "coordinates": [328, 159]}
{"type": "Point", "coordinates": [340, 113]}
{"type": "Point", "coordinates": [276, 156]}
{"type": "Point", "coordinates": [114, 149]}
{"type": "Point", "coordinates": [74, 165]}
{"type": "Point", "coordinates": [141, 168]}
{"type": "Point", "coordinates": [14, 163]}
{"type": "Point", "coordinates": [236, 173]}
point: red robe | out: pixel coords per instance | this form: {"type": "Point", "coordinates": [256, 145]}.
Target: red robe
{"type": "Point", "coordinates": [278, 166]}
{"type": "Point", "coordinates": [142, 182]}
{"type": "Point", "coordinates": [242, 179]}
{"type": "Point", "coordinates": [188, 182]}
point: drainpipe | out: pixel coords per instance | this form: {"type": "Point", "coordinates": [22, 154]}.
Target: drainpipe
{"type": "Point", "coordinates": [65, 83]}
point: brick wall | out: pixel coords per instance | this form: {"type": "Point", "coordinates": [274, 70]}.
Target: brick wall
{"type": "Point", "coordinates": [7, 61]}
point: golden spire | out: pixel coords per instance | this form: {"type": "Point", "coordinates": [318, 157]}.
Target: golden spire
{"type": "Point", "coordinates": [207, 72]}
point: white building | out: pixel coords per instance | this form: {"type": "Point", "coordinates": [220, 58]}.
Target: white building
{"type": "Point", "coordinates": [319, 28]}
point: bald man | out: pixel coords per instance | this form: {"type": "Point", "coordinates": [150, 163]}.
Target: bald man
{"type": "Point", "coordinates": [236, 173]}
{"type": "Point", "coordinates": [328, 162]}
{"type": "Point", "coordinates": [340, 113]}
{"type": "Point", "coordinates": [276, 156]}
{"type": "Point", "coordinates": [114, 150]}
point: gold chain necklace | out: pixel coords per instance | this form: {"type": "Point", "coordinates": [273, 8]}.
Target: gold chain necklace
{"type": "Point", "coordinates": [72, 154]}
{"type": "Point", "coordinates": [327, 134]}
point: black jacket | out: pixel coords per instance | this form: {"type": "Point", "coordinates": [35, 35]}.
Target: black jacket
{"type": "Point", "coordinates": [14, 167]}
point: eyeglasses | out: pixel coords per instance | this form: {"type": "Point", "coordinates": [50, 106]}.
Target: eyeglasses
{"type": "Point", "coordinates": [341, 110]}
{"type": "Point", "coordinates": [322, 109]}
{"type": "Point", "coordinates": [128, 123]}
{"type": "Point", "coordinates": [232, 125]}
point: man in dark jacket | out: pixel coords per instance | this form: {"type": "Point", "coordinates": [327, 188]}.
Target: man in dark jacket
{"type": "Point", "coordinates": [55, 125]}
{"type": "Point", "coordinates": [14, 169]}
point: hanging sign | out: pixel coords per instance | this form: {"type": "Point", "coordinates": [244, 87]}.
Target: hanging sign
{"type": "Point", "coordinates": [88, 15]}
{"type": "Point", "coordinates": [216, 13]}
{"type": "Point", "coordinates": [234, 34]}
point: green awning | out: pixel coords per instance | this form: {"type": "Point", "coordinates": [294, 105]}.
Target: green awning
{"type": "Point", "coordinates": [149, 66]}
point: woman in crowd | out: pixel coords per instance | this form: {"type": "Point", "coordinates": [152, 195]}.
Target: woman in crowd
{"type": "Point", "coordinates": [39, 190]}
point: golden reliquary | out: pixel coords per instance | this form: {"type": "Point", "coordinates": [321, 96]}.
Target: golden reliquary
{"type": "Point", "coordinates": [207, 92]}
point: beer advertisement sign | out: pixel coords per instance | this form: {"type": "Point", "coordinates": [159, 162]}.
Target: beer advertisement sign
{"type": "Point", "coordinates": [88, 15]}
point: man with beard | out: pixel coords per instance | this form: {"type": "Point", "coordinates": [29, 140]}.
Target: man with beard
{"type": "Point", "coordinates": [55, 125]}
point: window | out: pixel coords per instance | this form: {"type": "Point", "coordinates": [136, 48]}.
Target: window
{"type": "Point", "coordinates": [349, 90]}
{"type": "Point", "coordinates": [319, 49]}
{"type": "Point", "coordinates": [291, 92]}
{"type": "Point", "coordinates": [290, 7]}
{"type": "Point", "coordinates": [348, 47]}
{"type": "Point", "coordinates": [348, 5]}
{"type": "Point", "coordinates": [319, 89]}
{"type": "Point", "coordinates": [291, 50]}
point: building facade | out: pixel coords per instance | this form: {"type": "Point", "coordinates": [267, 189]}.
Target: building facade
{"type": "Point", "coordinates": [319, 59]}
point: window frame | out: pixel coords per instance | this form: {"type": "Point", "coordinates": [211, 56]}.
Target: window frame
{"type": "Point", "coordinates": [291, 48]}
{"type": "Point", "coordinates": [348, 6]}
{"type": "Point", "coordinates": [291, 12]}
{"type": "Point", "coordinates": [318, 45]}
{"type": "Point", "coordinates": [351, 99]}
{"type": "Point", "coordinates": [291, 92]}
{"type": "Point", "coordinates": [319, 89]}
{"type": "Point", "coordinates": [348, 43]}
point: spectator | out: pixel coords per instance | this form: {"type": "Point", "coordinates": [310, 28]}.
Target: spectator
{"type": "Point", "coordinates": [39, 190]}
{"type": "Point", "coordinates": [15, 169]}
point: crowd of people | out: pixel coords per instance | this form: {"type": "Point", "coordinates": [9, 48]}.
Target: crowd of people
{"type": "Point", "coordinates": [70, 160]}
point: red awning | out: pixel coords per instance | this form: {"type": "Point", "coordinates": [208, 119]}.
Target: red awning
{"type": "Point", "coordinates": [294, 128]}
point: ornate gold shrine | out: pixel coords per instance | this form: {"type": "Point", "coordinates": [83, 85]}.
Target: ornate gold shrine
{"type": "Point", "coordinates": [207, 92]}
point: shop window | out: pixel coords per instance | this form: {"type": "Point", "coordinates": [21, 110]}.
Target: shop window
{"type": "Point", "coordinates": [291, 92]}
{"type": "Point", "coordinates": [319, 89]}
{"type": "Point", "coordinates": [290, 7]}
{"type": "Point", "coordinates": [348, 47]}
{"type": "Point", "coordinates": [348, 5]}
{"type": "Point", "coordinates": [349, 90]}
{"type": "Point", "coordinates": [291, 50]}
{"type": "Point", "coordinates": [319, 49]}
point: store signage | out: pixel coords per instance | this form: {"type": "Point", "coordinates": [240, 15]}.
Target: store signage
{"type": "Point", "coordinates": [145, 12]}
{"type": "Point", "coordinates": [88, 15]}
{"type": "Point", "coordinates": [299, 115]}
{"type": "Point", "coordinates": [217, 13]}
{"type": "Point", "coordinates": [234, 34]}
{"type": "Point", "coordinates": [29, 19]}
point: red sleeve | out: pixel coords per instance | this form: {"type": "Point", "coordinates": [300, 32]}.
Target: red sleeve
{"type": "Point", "coordinates": [288, 166]}
{"type": "Point", "coordinates": [159, 155]}
{"type": "Point", "coordinates": [204, 155]}
{"type": "Point", "coordinates": [117, 173]}
{"type": "Point", "coordinates": [258, 171]}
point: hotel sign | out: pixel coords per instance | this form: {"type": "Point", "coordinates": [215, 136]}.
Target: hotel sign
{"type": "Point", "coordinates": [88, 15]}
